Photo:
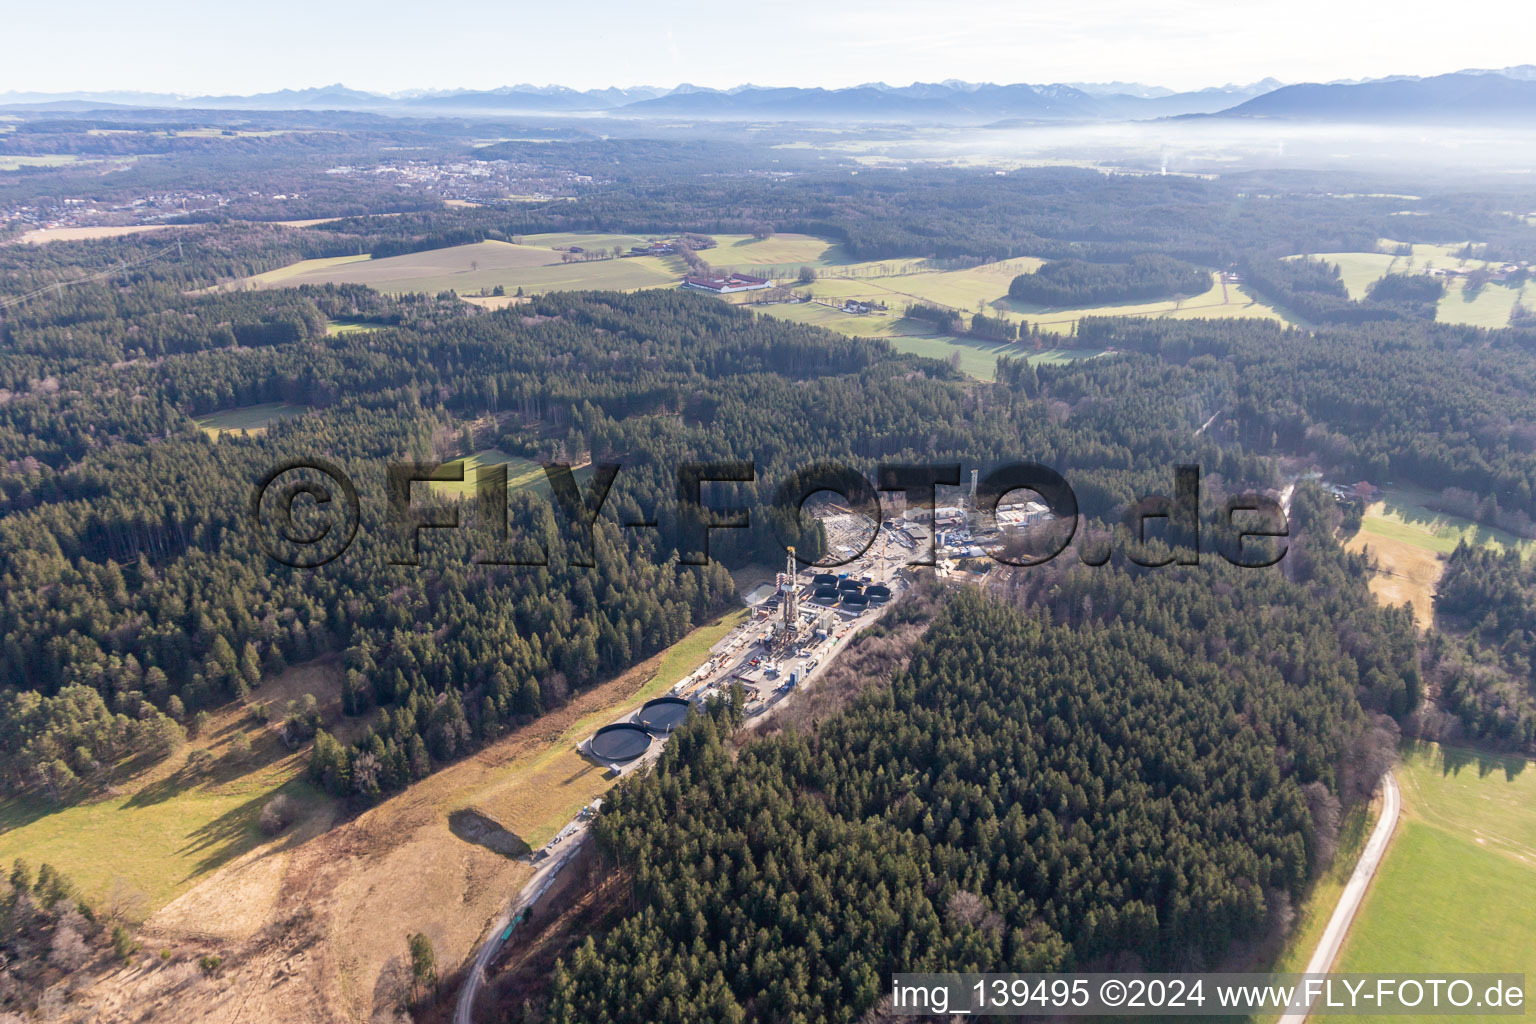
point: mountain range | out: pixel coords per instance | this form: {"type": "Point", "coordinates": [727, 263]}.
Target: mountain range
{"type": "Point", "coordinates": [1474, 94]}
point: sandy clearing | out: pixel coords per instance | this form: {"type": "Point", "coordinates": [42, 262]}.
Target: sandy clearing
{"type": "Point", "coordinates": [39, 236]}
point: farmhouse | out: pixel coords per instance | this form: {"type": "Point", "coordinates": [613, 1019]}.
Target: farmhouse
{"type": "Point", "coordinates": [721, 285]}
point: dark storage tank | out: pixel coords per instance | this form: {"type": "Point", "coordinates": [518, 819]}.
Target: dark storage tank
{"type": "Point", "coordinates": [663, 714]}
{"type": "Point", "coordinates": [619, 743]}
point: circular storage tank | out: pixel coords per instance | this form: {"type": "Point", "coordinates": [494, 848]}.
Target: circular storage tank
{"type": "Point", "coordinates": [878, 594]}
{"type": "Point", "coordinates": [850, 587]}
{"type": "Point", "coordinates": [825, 594]}
{"type": "Point", "coordinates": [662, 715]}
{"type": "Point", "coordinates": [824, 579]}
{"type": "Point", "coordinates": [619, 743]}
{"type": "Point", "coordinates": [852, 600]}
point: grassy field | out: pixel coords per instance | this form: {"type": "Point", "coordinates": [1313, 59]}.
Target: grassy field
{"type": "Point", "coordinates": [1224, 301]}
{"type": "Point", "coordinates": [16, 163]}
{"type": "Point", "coordinates": [327, 909]}
{"type": "Point", "coordinates": [335, 327]}
{"type": "Point", "coordinates": [1429, 254]}
{"type": "Point", "coordinates": [1489, 307]}
{"type": "Point", "coordinates": [1403, 513]}
{"type": "Point", "coordinates": [587, 240]}
{"type": "Point", "coordinates": [985, 289]}
{"type": "Point", "coordinates": [1359, 270]}
{"type": "Point", "coordinates": [535, 796]}
{"type": "Point", "coordinates": [977, 358]}
{"type": "Point", "coordinates": [520, 473]}
{"type": "Point", "coordinates": [781, 255]}
{"type": "Point", "coordinates": [248, 419]}
{"type": "Point", "coordinates": [470, 268]}
{"type": "Point", "coordinates": [855, 325]}
{"type": "Point", "coordinates": [1410, 541]}
{"type": "Point", "coordinates": [535, 265]}
{"type": "Point", "coordinates": [159, 830]}
{"type": "Point", "coordinates": [1457, 887]}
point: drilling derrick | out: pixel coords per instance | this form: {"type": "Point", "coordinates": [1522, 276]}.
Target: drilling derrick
{"type": "Point", "coordinates": [789, 596]}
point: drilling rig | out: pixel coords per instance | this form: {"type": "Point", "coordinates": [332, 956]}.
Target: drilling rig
{"type": "Point", "coordinates": [788, 633]}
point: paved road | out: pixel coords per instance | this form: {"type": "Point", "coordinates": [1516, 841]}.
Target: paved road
{"type": "Point", "coordinates": [1354, 891]}
{"type": "Point", "coordinates": [463, 1012]}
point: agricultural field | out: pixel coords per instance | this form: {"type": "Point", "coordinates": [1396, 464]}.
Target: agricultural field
{"type": "Point", "coordinates": [1404, 513]}
{"type": "Point", "coordinates": [1490, 307]}
{"type": "Point", "coordinates": [38, 236]}
{"type": "Point", "coordinates": [465, 268]}
{"type": "Point", "coordinates": [1410, 541]}
{"type": "Point", "coordinates": [248, 420]}
{"type": "Point", "coordinates": [1430, 254]}
{"type": "Point", "coordinates": [1456, 888]}
{"type": "Point", "coordinates": [16, 163]}
{"type": "Point", "coordinates": [780, 255]}
{"type": "Point", "coordinates": [978, 358]}
{"type": "Point", "coordinates": [1221, 300]}
{"type": "Point", "coordinates": [587, 240]}
{"type": "Point", "coordinates": [535, 265]}
{"type": "Point", "coordinates": [985, 289]}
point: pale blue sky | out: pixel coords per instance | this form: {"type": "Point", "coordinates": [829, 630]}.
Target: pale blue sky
{"type": "Point", "coordinates": [389, 45]}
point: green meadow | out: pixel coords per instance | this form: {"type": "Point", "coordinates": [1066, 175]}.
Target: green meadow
{"type": "Point", "coordinates": [1359, 270]}
{"type": "Point", "coordinates": [521, 473]}
{"type": "Point", "coordinates": [1490, 306]}
{"type": "Point", "coordinates": [1457, 888]}
{"type": "Point", "coordinates": [248, 419]}
{"type": "Point", "coordinates": [1402, 514]}
{"type": "Point", "coordinates": [160, 830]}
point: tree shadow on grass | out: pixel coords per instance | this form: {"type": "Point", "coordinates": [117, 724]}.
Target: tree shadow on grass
{"type": "Point", "coordinates": [238, 830]}
{"type": "Point", "coordinates": [1451, 760]}
{"type": "Point", "coordinates": [215, 771]}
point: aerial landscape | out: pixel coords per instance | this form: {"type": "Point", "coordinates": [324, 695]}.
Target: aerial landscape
{"type": "Point", "coordinates": [1002, 507]}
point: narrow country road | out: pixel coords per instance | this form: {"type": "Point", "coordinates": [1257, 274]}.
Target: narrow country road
{"type": "Point", "coordinates": [463, 1012]}
{"type": "Point", "coordinates": [1354, 891]}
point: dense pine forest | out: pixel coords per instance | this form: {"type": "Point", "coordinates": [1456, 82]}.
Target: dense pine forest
{"type": "Point", "coordinates": [1071, 282]}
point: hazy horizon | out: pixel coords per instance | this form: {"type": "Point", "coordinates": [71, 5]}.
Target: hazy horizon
{"type": "Point", "coordinates": [84, 45]}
